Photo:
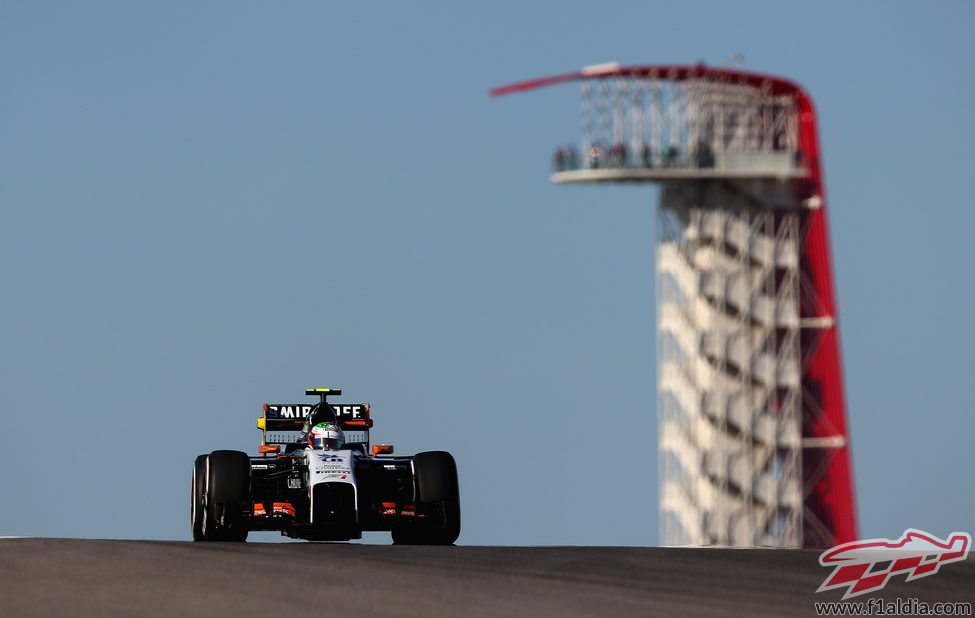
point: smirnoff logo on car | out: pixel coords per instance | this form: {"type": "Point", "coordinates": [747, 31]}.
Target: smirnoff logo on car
{"type": "Point", "coordinates": [300, 411]}
{"type": "Point", "coordinates": [293, 411]}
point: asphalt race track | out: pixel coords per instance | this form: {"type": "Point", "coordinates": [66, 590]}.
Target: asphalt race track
{"type": "Point", "coordinates": [74, 577]}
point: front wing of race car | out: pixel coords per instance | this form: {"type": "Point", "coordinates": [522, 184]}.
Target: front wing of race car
{"type": "Point", "coordinates": [329, 495]}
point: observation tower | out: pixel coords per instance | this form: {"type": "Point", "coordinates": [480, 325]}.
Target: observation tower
{"type": "Point", "coordinates": [754, 448]}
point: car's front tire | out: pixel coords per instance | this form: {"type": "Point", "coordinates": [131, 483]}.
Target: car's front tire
{"type": "Point", "coordinates": [227, 493]}
{"type": "Point", "coordinates": [437, 497]}
{"type": "Point", "coordinates": [197, 490]}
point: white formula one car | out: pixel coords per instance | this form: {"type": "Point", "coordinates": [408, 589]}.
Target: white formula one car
{"type": "Point", "coordinates": [324, 492]}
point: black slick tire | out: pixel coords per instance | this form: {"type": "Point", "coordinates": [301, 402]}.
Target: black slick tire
{"type": "Point", "coordinates": [437, 497]}
{"type": "Point", "coordinates": [227, 493]}
{"type": "Point", "coordinates": [198, 488]}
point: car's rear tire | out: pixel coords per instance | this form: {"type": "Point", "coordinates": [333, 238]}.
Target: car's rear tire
{"type": "Point", "coordinates": [196, 497]}
{"type": "Point", "coordinates": [437, 497]}
{"type": "Point", "coordinates": [227, 494]}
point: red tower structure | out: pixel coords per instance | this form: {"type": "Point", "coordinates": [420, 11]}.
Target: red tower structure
{"type": "Point", "coordinates": [754, 440]}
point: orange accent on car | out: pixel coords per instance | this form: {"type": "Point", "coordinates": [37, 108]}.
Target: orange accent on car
{"type": "Point", "coordinates": [382, 449]}
{"type": "Point", "coordinates": [269, 448]}
{"type": "Point", "coordinates": [284, 508]}
{"type": "Point", "coordinates": [405, 510]}
{"type": "Point", "coordinates": [277, 508]}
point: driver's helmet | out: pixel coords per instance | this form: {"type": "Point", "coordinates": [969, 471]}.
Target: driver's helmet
{"type": "Point", "coordinates": [327, 436]}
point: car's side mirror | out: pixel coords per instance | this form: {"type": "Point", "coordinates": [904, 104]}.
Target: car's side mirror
{"type": "Point", "coordinates": [382, 449]}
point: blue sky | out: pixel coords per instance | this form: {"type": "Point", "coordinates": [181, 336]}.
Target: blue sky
{"type": "Point", "coordinates": [204, 207]}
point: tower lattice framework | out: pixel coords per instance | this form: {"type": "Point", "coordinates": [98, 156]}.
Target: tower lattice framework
{"type": "Point", "coordinates": [753, 440]}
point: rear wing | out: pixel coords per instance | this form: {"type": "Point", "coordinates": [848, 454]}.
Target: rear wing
{"type": "Point", "coordinates": [281, 422]}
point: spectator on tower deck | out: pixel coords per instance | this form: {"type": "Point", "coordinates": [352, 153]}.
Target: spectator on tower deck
{"type": "Point", "coordinates": [559, 160]}
{"type": "Point", "coordinates": [593, 162]}
{"type": "Point", "coordinates": [670, 156]}
{"type": "Point", "coordinates": [620, 155]}
{"type": "Point", "coordinates": [704, 155]}
{"type": "Point", "coordinates": [572, 157]}
{"type": "Point", "coordinates": [645, 155]}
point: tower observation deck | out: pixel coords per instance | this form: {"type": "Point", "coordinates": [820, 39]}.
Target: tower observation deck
{"type": "Point", "coordinates": [754, 448]}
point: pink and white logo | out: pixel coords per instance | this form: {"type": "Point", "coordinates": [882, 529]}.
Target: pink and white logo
{"type": "Point", "coordinates": [866, 566]}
